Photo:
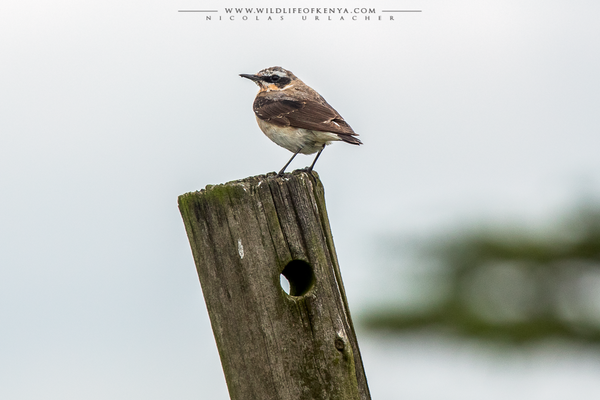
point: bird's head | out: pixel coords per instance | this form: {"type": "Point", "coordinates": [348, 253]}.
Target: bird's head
{"type": "Point", "coordinates": [274, 78]}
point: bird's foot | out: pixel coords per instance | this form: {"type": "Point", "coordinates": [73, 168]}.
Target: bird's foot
{"type": "Point", "coordinates": [308, 170]}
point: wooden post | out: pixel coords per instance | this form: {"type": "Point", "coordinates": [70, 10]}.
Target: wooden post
{"type": "Point", "coordinates": [274, 345]}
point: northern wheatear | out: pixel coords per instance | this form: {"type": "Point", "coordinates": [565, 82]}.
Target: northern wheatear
{"type": "Point", "coordinates": [295, 116]}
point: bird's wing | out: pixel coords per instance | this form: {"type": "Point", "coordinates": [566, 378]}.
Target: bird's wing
{"type": "Point", "coordinates": [307, 114]}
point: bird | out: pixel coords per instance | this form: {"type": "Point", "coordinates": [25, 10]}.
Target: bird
{"type": "Point", "coordinates": [295, 116]}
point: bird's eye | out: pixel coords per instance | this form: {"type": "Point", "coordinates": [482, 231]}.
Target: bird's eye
{"type": "Point", "coordinates": [274, 78]}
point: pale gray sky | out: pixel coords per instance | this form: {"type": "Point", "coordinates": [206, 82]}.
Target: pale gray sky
{"type": "Point", "coordinates": [469, 110]}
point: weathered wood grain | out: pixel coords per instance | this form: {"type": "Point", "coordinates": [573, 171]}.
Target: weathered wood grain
{"type": "Point", "coordinates": [274, 345]}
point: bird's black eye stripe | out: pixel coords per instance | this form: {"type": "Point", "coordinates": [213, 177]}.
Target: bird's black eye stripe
{"type": "Point", "coordinates": [279, 80]}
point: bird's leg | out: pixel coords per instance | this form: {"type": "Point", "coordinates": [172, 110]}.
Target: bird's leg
{"type": "Point", "coordinates": [288, 163]}
{"type": "Point", "coordinates": [315, 161]}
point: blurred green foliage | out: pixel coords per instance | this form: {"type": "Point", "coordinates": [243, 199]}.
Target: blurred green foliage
{"type": "Point", "coordinates": [510, 285]}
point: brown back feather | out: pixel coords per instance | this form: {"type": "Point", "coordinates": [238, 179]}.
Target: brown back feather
{"type": "Point", "coordinates": [283, 110]}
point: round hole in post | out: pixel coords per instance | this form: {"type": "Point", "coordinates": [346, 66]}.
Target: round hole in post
{"type": "Point", "coordinates": [300, 278]}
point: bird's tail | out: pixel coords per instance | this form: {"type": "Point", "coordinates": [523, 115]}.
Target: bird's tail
{"type": "Point", "coordinates": [348, 138]}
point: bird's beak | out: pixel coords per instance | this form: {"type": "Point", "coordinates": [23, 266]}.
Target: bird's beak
{"type": "Point", "coordinates": [254, 78]}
